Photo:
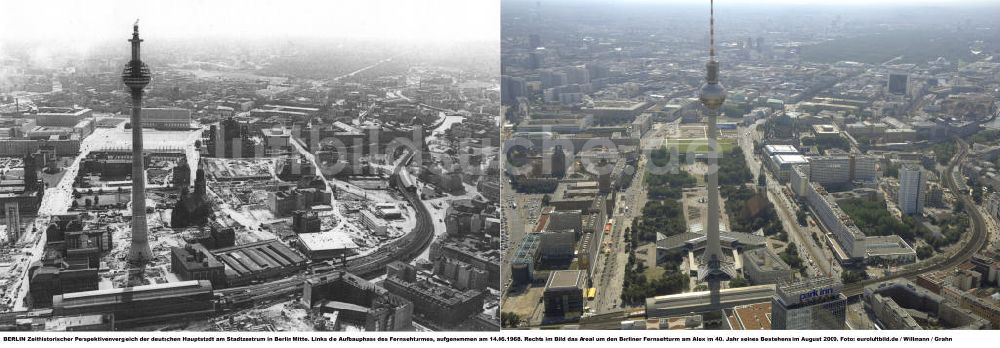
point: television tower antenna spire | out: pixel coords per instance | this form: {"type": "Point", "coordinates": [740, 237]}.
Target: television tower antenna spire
{"type": "Point", "coordinates": [711, 29]}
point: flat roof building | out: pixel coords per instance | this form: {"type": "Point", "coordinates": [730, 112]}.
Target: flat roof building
{"type": "Point", "coordinates": [563, 295]}
{"type": "Point", "coordinates": [763, 266]}
{"type": "Point", "coordinates": [616, 111]}
{"type": "Point", "coordinates": [902, 305]}
{"type": "Point", "coordinates": [889, 249]}
{"type": "Point", "coordinates": [384, 311]}
{"type": "Point", "coordinates": [166, 118]}
{"type": "Point", "coordinates": [61, 117]}
{"type": "Point", "coordinates": [325, 245]}
{"type": "Point", "coordinates": [849, 237]}
{"type": "Point", "coordinates": [772, 150]}
{"type": "Point", "coordinates": [756, 316]}
{"type": "Point", "coordinates": [557, 245]}
{"type": "Point", "coordinates": [140, 304]}
{"type": "Point", "coordinates": [700, 302]}
{"type": "Point", "coordinates": [373, 223]}
{"type": "Point", "coordinates": [522, 264]}
{"type": "Point", "coordinates": [563, 220]}
{"type": "Point", "coordinates": [432, 300]}
{"type": "Point", "coordinates": [194, 262]}
{"type": "Point", "coordinates": [92, 322]}
{"type": "Point", "coordinates": [809, 304]}
{"type": "Point", "coordinates": [258, 261]}
{"type": "Point", "coordinates": [826, 131]}
{"type": "Point", "coordinates": [781, 164]}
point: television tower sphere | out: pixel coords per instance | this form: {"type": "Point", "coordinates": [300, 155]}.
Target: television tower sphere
{"type": "Point", "coordinates": [712, 93]}
{"type": "Point", "coordinates": [136, 74]}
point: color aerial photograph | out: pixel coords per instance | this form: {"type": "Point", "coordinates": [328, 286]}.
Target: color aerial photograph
{"type": "Point", "coordinates": [250, 166]}
{"type": "Point", "coordinates": [750, 165]}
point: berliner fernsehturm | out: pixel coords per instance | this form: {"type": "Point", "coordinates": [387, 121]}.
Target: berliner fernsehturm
{"type": "Point", "coordinates": [136, 76]}
{"type": "Point", "coordinates": [712, 268]}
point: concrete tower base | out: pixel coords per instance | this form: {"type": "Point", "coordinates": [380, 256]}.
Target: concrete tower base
{"type": "Point", "coordinates": [139, 253]}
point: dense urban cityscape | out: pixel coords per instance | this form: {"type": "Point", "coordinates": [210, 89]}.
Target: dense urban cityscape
{"type": "Point", "coordinates": [500, 171]}
{"type": "Point", "coordinates": [280, 185]}
{"type": "Point", "coordinates": [844, 178]}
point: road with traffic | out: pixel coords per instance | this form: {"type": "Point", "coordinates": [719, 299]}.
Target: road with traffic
{"type": "Point", "coordinates": [975, 242]}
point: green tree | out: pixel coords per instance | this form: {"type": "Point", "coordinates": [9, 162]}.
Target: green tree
{"type": "Point", "coordinates": [509, 320]}
{"type": "Point", "coordinates": [659, 217]}
{"type": "Point", "coordinates": [668, 185]}
{"type": "Point", "coordinates": [977, 193]}
{"type": "Point", "coordinates": [800, 216]}
{"type": "Point", "coordinates": [733, 168]}
{"type": "Point", "coordinates": [791, 257]}
{"type": "Point", "coordinates": [943, 152]}
{"type": "Point", "coordinates": [852, 276]}
{"type": "Point", "coordinates": [925, 251]}
{"type": "Point", "coordinates": [874, 219]}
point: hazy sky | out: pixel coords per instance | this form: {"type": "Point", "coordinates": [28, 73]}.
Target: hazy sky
{"type": "Point", "coordinates": [813, 2]}
{"type": "Point", "coordinates": [79, 22]}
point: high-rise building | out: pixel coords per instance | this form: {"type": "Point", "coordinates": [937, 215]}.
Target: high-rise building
{"type": "Point", "coordinates": [563, 296]}
{"type": "Point", "coordinates": [898, 83]}
{"type": "Point", "coordinates": [13, 216]}
{"type": "Point", "coordinates": [513, 88]}
{"type": "Point", "coordinates": [828, 170]}
{"type": "Point", "coordinates": [136, 76]}
{"type": "Point", "coordinates": [863, 168]}
{"type": "Point", "coordinates": [810, 304]}
{"type": "Point", "coordinates": [534, 41]}
{"type": "Point", "coordinates": [842, 169]}
{"type": "Point", "coordinates": [911, 190]}
{"type": "Point", "coordinates": [233, 139]}
{"type": "Point", "coordinates": [557, 245]}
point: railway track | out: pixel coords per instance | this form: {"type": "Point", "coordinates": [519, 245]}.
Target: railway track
{"type": "Point", "coordinates": [976, 242]}
{"type": "Point", "coordinates": [418, 239]}
{"type": "Point", "coordinates": [367, 266]}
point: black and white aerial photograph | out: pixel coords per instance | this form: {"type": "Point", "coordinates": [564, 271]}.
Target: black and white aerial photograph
{"type": "Point", "coordinates": [250, 166]}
